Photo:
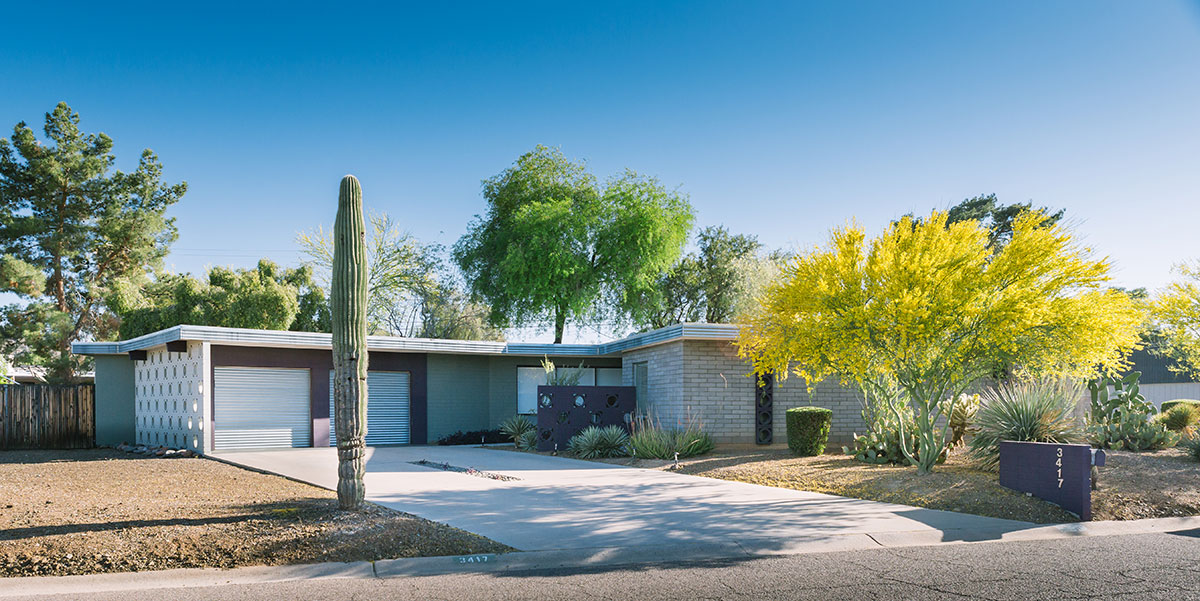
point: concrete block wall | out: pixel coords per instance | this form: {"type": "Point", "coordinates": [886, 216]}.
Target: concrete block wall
{"type": "Point", "coordinates": [664, 387]}
{"type": "Point", "coordinates": [171, 398]}
{"type": "Point", "coordinates": [707, 382]}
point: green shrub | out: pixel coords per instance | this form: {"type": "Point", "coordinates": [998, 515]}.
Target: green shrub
{"type": "Point", "coordinates": [600, 443]}
{"type": "Point", "coordinates": [517, 425]}
{"type": "Point", "coordinates": [1041, 411]}
{"type": "Point", "coordinates": [650, 440]}
{"type": "Point", "coordinates": [1166, 406]}
{"type": "Point", "coordinates": [808, 429]}
{"type": "Point", "coordinates": [1193, 448]}
{"type": "Point", "coordinates": [527, 441]}
{"type": "Point", "coordinates": [473, 437]}
{"type": "Point", "coordinates": [1180, 418]}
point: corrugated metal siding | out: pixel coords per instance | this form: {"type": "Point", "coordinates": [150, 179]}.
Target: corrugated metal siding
{"type": "Point", "coordinates": [388, 404]}
{"type": "Point", "coordinates": [261, 408]}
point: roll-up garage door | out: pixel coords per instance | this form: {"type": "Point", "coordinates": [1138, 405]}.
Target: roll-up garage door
{"type": "Point", "coordinates": [261, 408]}
{"type": "Point", "coordinates": [387, 408]}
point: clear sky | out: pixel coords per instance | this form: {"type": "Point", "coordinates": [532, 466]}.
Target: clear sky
{"type": "Point", "coordinates": [780, 119]}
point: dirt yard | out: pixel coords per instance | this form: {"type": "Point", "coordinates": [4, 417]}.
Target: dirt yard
{"type": "Point", "coordinates": [1132, 485]}
{"type": "Point", "coordinates": [79, 512]}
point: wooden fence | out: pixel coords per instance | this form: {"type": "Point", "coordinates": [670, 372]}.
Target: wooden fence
{"type": "Point", "coordinates": [39, 416]}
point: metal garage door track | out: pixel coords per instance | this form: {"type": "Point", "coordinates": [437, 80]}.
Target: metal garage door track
{"type": "Point", "coordinates": [559, 503]}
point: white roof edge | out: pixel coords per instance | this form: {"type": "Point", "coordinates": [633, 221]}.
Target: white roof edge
{"type": "Point", "coordinates": [314, 340]}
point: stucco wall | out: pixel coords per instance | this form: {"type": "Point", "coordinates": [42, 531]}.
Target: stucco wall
{"type": "Point", "coordinates": [171, 392]}
{"type": "Point", "coordinates": [458, 394]}
{"type": "Point", "coordinates": [115, 414]}
{"type": "Point", "coordinates": [707, 382]}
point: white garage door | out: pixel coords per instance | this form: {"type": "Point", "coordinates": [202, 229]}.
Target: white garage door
{"type": "Point", "coordinates": [261, 408]}
{"type": "Point", "coordinates": [387, 408]}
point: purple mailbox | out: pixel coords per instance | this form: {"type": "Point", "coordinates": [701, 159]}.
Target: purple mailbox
{"type": "Point", "coordinates": [1058, 473]}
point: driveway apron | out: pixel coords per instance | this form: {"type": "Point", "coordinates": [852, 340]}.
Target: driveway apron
{"type": "Point", "coordinates": [560, 503]}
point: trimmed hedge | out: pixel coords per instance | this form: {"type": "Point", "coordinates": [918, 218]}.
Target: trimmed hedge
{"type": "Point", "coordinates": [808, 429]}
{"type": "Point", "coordinates": [1166, 406]}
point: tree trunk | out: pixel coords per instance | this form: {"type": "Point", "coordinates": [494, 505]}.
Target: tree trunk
{"type": "Point", "coordinates": [348, 305]}
{"type": "Point", "coordinates": [560, 323]}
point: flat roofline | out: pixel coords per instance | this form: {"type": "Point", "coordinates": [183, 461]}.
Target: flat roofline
{"type": "Point", "coordinates": [313, 340]}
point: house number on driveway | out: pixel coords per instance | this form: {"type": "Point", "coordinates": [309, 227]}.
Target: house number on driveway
{"type": "Point", "coordinates": [468, 559]}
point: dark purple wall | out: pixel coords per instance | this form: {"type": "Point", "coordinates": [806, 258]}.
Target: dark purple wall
{"type": "Point", "coordinates": [319, 363]}
{"type": "Point", "coordinates": [1058, 473]}
{"type": "Point", "coordinates": [559, 418]}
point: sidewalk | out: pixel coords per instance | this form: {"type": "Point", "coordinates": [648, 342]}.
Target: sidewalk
{"type": "Point", "coordinates": [535, 560]}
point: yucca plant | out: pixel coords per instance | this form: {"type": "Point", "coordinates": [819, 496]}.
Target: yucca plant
{"type": "Point", "coordinates": [600, 443]}
{"type": "Point", "coordinates": [1192, 446]}
{"type": "Point", "coordinates": [1039, 411]}
{"type": "Point", "coordinates": [650, 440]}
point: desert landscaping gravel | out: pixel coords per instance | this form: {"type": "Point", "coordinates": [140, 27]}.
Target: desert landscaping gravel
{"type": "Point", "coordinates": [80, 512]}
{"type": "Point", "coordinates": [1132, 485]}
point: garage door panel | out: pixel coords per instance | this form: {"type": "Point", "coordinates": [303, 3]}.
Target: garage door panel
{"type": "Point", "coordinates": [388, 408]}
{"type": "Point", "coordinates": [261, 408]}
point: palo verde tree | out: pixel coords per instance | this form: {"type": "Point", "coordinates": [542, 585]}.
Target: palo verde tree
{"type": "Point", "coordinates": [554, 245]}
{"type": "Point", "coordinates": [70, 227]}
{"type": "Point", "coordinates": [929, 309]}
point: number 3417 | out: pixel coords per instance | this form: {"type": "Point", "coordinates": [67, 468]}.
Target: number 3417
{"type": "Point", "coordinates": [1058, 466]}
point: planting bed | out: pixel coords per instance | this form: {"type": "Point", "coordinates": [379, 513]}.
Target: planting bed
{"type": "Point", "coordinates": [79, 512]}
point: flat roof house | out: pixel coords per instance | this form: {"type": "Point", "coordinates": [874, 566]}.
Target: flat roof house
{"type": "Point", "coordinates": [215, 389]}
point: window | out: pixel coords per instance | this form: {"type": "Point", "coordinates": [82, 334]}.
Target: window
{"type": "Point", "coordinates": [529, 378]}
{"type": "Point", "coordinates": [641, 380]}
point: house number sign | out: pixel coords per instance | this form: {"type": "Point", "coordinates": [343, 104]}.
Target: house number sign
{"type": "Point", "coordinates": [1058, 473]}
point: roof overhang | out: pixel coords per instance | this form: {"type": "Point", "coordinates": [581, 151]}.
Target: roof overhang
{"type": "Point", "coordinates": [312, 340]}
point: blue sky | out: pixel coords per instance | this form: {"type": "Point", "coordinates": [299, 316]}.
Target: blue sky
{"type": "Point", "coordinates": [780, 119]}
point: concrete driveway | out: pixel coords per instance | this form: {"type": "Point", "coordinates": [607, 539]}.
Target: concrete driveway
{"type": "Point", "coordinates": [559, 503]}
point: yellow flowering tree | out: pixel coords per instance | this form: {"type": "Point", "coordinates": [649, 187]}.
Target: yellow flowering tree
{"type": "Point", "coordinates": [1177, 314]}
{"type": "Point", "coordinates": [929, 308]}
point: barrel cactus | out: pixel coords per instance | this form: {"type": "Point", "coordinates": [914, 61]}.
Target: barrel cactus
{"type": "Point", "coordinates": [348, 306]}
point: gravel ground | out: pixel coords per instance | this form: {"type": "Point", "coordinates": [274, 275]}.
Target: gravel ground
{"type": "Point", "coordinates": [80, 512]}
{"type": "Point", "coordinates": [1132, 485]}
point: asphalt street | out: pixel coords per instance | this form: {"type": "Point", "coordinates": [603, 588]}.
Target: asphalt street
{"type": "Point", "coordinates": [1145, 567]}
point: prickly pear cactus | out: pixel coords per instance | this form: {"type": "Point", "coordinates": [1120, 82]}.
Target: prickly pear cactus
{"type": "Point", "coordinates": [348, 305]}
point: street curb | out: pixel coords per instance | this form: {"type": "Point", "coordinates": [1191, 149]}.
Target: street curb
{"type": "Point", "coordinates": [498, 564]}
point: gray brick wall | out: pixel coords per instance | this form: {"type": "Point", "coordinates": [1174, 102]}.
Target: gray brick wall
{"type": "Point", "coordinates": [706, 381]}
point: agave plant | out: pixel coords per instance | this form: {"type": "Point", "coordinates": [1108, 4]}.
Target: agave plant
{"type": "Point", "coordinates": [1039, 411]}
{"type": "Point", "coordinates": [515, 426]}
{"type": "Point", "coordinates": [526, 441]}
{"type": "Point", "coordinates": [599, 443]}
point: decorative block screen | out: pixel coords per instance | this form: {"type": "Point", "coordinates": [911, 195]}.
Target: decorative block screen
{"type": "Point", "coordinates": [563, 411]}
{"type": "Point", "coordinates": [764, 410]}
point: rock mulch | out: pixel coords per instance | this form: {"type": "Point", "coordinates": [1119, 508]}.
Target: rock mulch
{"type": "Point", "coordinates": [103, 510]}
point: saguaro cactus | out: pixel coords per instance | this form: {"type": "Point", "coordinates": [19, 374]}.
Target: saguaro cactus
{"type": "Point", "coordinates": [348, 304]}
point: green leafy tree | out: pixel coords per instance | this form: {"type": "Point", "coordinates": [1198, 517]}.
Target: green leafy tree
{"type": "Point", "coordinates": [715, 285]}
{"type": "Point", "coordinates": [998, 218]}
{"type": "Point", "coordinates": [414, 293]}
{"type": "Point", "coordinates": [71, 226]}
{"type": "Point", "coordinates": [401, 269]}
{"type": "Point", "coordinates": [556, 247]}
{"type": "Point", "coordinates": [267, 298]}
{"type": "Point", "coordinates": [930, 308]}
{"type": "Point", "coordinates": [1176, 316]}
